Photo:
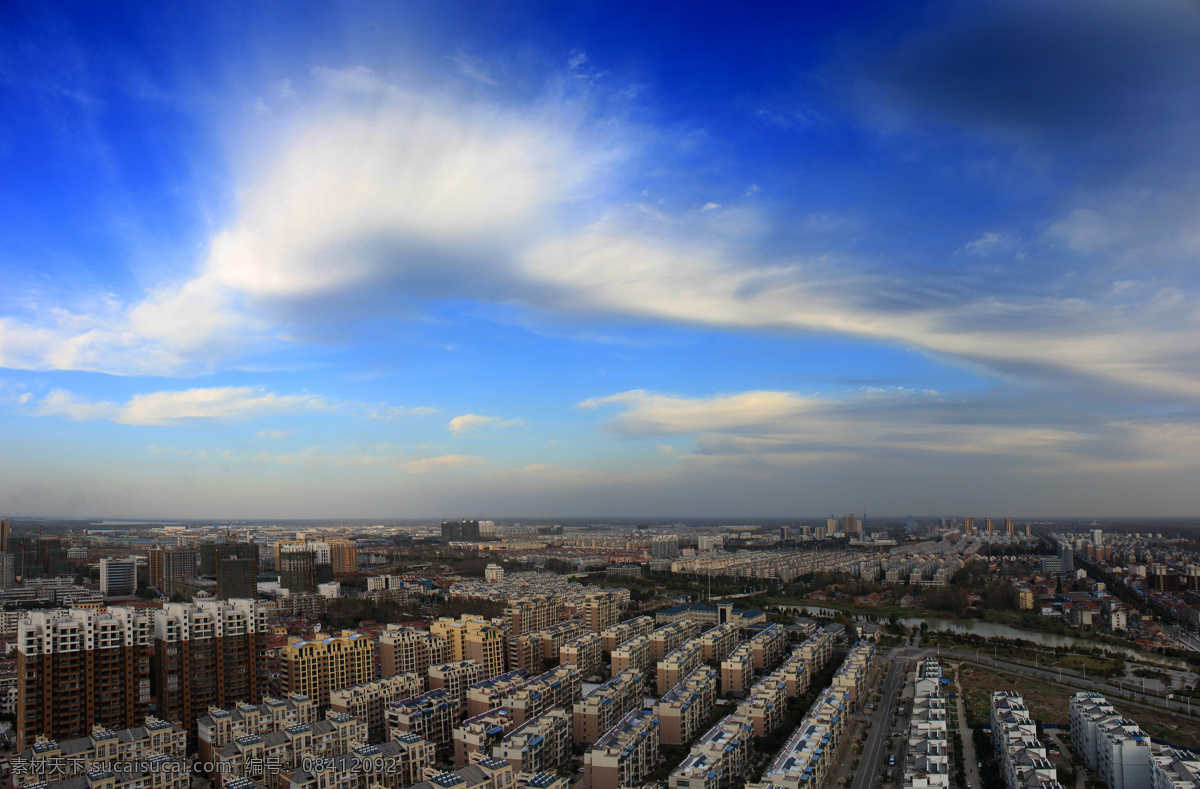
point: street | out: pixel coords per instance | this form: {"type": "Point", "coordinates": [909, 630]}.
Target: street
{"type": "Point", "coordinates": [872, 755]}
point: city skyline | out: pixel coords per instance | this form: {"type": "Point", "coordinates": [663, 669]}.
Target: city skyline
{"type": "Point", "coordinates": [379, 261]}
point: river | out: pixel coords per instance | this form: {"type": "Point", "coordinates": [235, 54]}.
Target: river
{"type": "Point", "coordinates": [981, 627]}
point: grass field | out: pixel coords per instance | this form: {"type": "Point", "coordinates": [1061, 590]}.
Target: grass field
{"type": "Point", "coordinates": [1051, 704]}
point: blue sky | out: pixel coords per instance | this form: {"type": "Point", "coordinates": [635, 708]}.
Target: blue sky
{"type": "Point", "coordinates": [387, 260]}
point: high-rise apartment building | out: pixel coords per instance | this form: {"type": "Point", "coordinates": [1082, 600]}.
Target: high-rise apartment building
{"type": "Point", "coordinates": [4, 526]}
{"type": "Point", "coordinates": [343, 556]}
{"type": "Point", "coordinates": [406, 650]}
{"type": "Point", "coordinates": [989, 526]}
{"type": "Point", "coordinates": [8, 570]}
{"type": "Point", "coordinates": [170, 566]}
{"type": "Point", "coordinates": [1008, 526]}
{"type": "Point", "coordinates": [318, 666]}
{"type": "Point", "coordinates": [208, 654]}
{"type": "Point", "coordinates": [466, 531]}
{"type": "Point", "coordinates": [529, 614]}
{"type": "Point", "coordinates": [297, 571]}
{"type": "Point", "coordinates": [234, 565]}
{"type": "Point", "coordinates": [118, 577]}
{"type": "Point", "coordinates": [665, 547]}
{"type": "Point", "coordinates": [601, 610]}
{"type": "Point", "coordinates": [851, 525]}
{"type": "Point", "coordinates": [81, 668]}
{"type": "Point", "coordinates": [968, 525]}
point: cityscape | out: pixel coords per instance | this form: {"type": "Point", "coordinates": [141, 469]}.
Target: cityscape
{"type": "Point", "coordinates": [599, 394]}
{"type": "Point", "coordinates": [913, 653]}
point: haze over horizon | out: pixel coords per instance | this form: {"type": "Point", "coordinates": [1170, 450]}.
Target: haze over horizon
{"type": "Point", "coordinates": [314, 260]}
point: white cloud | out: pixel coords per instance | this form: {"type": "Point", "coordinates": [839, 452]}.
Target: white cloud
{"type": "Point", "coordinates": [986, 243]}
{"type": "Point", "coordinates": [168, 408]}
{"type": "Point", "coordinates": [710, 206]}
{"type": "Point", "coordinates": [273, 435]}
{"type": "Point", "coordinates": [469, 422]}
{"type": "Point", "coordinates": [647, 413]}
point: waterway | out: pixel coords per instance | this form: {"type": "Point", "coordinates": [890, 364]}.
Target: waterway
{"type": "Point", "coordinates": [981, 627]}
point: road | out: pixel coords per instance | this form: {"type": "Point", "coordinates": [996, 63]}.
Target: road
{"type": "Point", "coordinates": [872, 755]}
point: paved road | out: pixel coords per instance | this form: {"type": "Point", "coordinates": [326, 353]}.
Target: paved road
{"type": "Point", "coordinates": [869, 763]}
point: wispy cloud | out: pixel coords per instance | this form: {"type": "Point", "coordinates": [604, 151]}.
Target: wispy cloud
{"type": "Point", "coordinates": [226, 404]}
{"type": "Point", "coordinates": [470, 422]}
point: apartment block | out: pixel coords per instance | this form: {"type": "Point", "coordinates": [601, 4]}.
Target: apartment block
{"type": "Point", "coordinates": [396, 764]}
{"type": "Point", "coordinates": [317, 667]}
{"type": "Point", "coordinates": [81, 668]}
{"type": "Point", "coordinates": [100, 749]}
{"type": "Point", "coordinates": [806, 758]}
{"type": "Point", "coordinates": [600, 710]}
{"type": "Point", "coordinates": [489, 694]}
{"type": "Point", "coordinates": [717, 642]}
{"type": "Point", "coordinates": [765, 705]}
{"type": "Point", "coordinates": [583, 652]}
{"type": "Point", "coordinates": [268, 758]}
{"type": "Point", "coordinates": [615, 635]}
{"type": "Point", "coordinates": [1112, 746]}
{"type": "Point", "coordinates": [540, 745]}
{"type": "Point", "coordinates": [634, 654]}
{"type": "Point", "coordinates": [1021, 755]}
{"type": "Point", "coordinates": [530, 614]}
{"type": "Point", "coordinates": [455, 677]}
{"type": "Point", "coordinates": [668, 638]}
{"type": "Point", "coordinates": [678, 664]}
{"type": "Point", "coordinates": [686, 706]}
{"type": "Point", "coordinates": [431, 716]}
{"type": "Point", "coordinates": [154, 772]}
{"type": "Point", "coordinates": [407, 650]}
{"type": "Point", "coordinates": [928, 762]}
{"type": "Point", "coordinates": [767, 647]}
{"type": "Point", "coordinates": [719, 759]}
{"type": "Point", "coordinates": [737, 671]}
{"type": "Point", "coordinates": [475, 737]}
{"type": "Point", "coordinates": [626, 755]}
{"type": "Point", "coordinates": [1174, 768]}
{"type": "Point", "coordinates": [487, 773]}
{"type": "Point", "coordinates": [601, 610]}
{"type": "Point", "coordinates": [366, 701]}
{"type": "Point", "coordinates": [169, 566]}
{"type": "Point", "coordinates": [559, 687]}
{"type": "Point", "coordinates": [454, 633]}
{"type": "Point", "coordinates": [220, 726]}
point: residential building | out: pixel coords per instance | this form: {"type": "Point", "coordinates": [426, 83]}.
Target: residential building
{"type": "Point", "coordinates": [615, 635]}
{"type": "Point", "coordinates": [489, 694]}
{"type": "Point", "coordinates": [79, 669]}
{"type": "Point", "coordinates": [118, 577]}
{"type": "Point", "coordinates": [169, 566]}
{"type": "Point", "coordinates": [100, 749]}
{"type": "Point", "coordinates": [583, 652]}
{"type": "Point", "coordinates": [719, 759]}
{"type": "Point", "coordinates": [317, 667]}
{"type": "Point", "coordinates": [367, 701]}
{"type": "Point", "coordinates": [1112, 746]}
{"type": "Point", "coordinates": [541, 744]}
{"type": "Point", "coordinates": [600, 710]}
{"type": "Point", "coordinates": [625, 755]}
{"type": "Point", "coordinates": [207, 653]}
{"type": "Point", "coordinates": [601, 610]}
{"type": "Point", "coordinates": [686, 706]}
{"type": "Point", "coordinates": [407, 650]}
{"type": "Point", "coordinates": [395, 764]}
{"type": "Point", "coordinates": [455, 677]}
{"type": "Point", "coordinates": [431, 716]}
{"type": "Point", "coordinates": [220, 727]}
{"type": "Point", "coordinates": [530, 614]}
{"type": "Point", "coordinates": [1022, 756]}
{"type": "Point", "coordinates": [475, 737]}
{"type": "Point", "coordinates": [559, 687]}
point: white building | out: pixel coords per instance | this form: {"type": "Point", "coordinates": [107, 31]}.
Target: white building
{"type": "Point", "coordinates": [118, 577]}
